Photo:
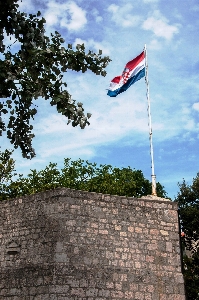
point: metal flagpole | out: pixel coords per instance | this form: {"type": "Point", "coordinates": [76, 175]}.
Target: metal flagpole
{"type": "Point", "coordinates": [153, 177]}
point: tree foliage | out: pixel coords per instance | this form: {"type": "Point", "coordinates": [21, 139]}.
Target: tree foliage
{"type": "Point", "coordinates": [7, 169]}
{"type": "Point", "coordinates": [188, 201]}
{"type": "Point", "coordinates": [36, 70]}
{"type": "Point", "coordinates": [83, 175]}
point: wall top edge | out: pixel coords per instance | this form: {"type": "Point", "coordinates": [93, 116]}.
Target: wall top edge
{"type": "Point", "coordinates": [67, 192]}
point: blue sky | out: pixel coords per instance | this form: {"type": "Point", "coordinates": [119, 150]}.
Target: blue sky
{"type": "Point", "coordinates": [119, 133]}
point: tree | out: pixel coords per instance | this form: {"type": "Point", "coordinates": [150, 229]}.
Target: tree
{"type": "Point", "coordinates": [188, 202]}
{"type": "Point", "coordinates": [7, 169]}
{"type": "Point", "coordinates": [83, 175]}
{"type": "Point", "coordinates": [36, 70]}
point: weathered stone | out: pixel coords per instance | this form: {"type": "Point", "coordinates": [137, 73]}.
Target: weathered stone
{"type": "Point", "coordinates": [65, 244]}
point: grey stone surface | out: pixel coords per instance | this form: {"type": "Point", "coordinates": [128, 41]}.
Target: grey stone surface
{"type": "Point", "coordinates": [67, 244]}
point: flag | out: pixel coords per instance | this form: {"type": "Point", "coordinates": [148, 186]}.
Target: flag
{"type": "Point", "coordinates": [133, 71]}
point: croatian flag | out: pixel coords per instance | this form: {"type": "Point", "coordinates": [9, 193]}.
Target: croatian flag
{"type": "Point", "coordinates": [133, 71]}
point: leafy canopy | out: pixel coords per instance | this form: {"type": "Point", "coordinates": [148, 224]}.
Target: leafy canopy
{"type": "Point", "coordinates": [188, 202]}
{"type": "Point", "coordinates": [36, 70]}
{"type": "Point", "coordinates": [7, 171]}
{"type": "Point", "coordinates": [82, 175]}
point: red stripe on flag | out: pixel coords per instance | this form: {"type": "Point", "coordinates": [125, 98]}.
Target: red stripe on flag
{"type": "Point", "coordinates": [133, 63]}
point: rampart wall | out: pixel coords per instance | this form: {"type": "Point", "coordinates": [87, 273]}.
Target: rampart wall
{"type": "Point", "coordinates": [67, 244]}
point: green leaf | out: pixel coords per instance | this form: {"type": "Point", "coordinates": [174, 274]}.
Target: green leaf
{"type": "Point", "coordinates": [13, 96]}
{"type": "Point", "coordinates": [37, 69]}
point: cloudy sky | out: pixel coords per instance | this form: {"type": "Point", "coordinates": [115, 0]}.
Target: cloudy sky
{"type": "Point", "coordinates": [119, 133]}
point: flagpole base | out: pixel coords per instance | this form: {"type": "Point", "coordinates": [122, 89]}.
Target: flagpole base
{"type": "Point", "coordinates": [153, 177]}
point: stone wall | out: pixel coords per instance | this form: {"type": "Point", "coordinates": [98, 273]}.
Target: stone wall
{"type": "Point", "coordinates": [67, 244]}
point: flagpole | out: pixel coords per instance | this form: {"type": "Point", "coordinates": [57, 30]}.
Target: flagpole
{"type": "Point", "coordinates": [153, 177]}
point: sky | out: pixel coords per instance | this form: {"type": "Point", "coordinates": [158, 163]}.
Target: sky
{"type": "Point", "coordinates": [119, 133]}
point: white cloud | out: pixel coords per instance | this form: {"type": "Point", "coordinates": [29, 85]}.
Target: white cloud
{"type": "Point", "coordinates": [56, 123]}
{"type": "Point", "coordinates": [154, 45]}
{"type": "Point", "coordinates": [158, 24]}
{"type": "Point", "coordinates": [150, 1]}
{"type": "Point", "coordinates": [112, 119]}
{"type": "Point", "coordinates": [26, 6]}
{"type": "Point", "coordinates": [194, 8]}
{"type": "Point", "coordinates": [123, 17]}
{"type": "Point", "coordinates": [91, 44]}
{"type": "Point", "coordinates": [187, 120]}
{"type": "Point", "coordinates": [98, 18]}
{"type": "Point", "coordinates": [110, 122]}
{"type": "Point", "coordinates": [196, 106]}
{"type": "Point", "coordinates": [69, 150]}
{"type": "Point", "coordinates": [10, 41]}
{"type": "Point", "coordinates": [190, 125]}
{"type": "Point", "coordinates": [68, 15]}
